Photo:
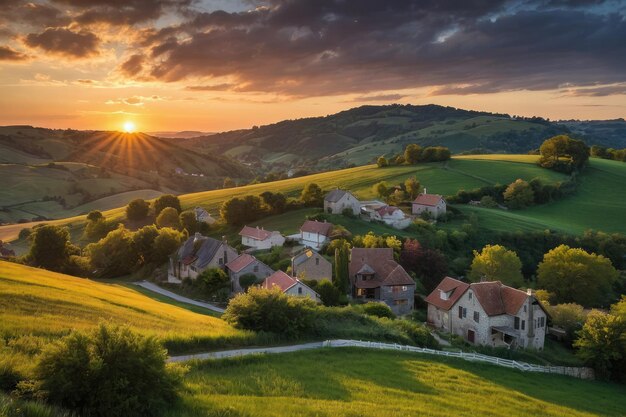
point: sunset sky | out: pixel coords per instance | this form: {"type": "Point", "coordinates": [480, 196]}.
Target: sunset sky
{"type": "Point", "coordinates": [216, 65]}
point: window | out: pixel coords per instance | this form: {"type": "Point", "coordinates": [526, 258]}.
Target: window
{"type": "Point", "coordinates": [400, 302]}
{"type": "Point", "coordinates": [523, 324]}
{"type": "Point", "coordinates": [317, 261]}
{"type": "Point", "coordinates": [299, 290]}
{"type": "Point", "coordinates": [256, 268]}
{"type": "Point", "coordinates": [476, 316]}
{"type": "Point", "coordinates": [398, 288]}
{"type": "Point", "coordinates": [524, 308]}
{"type": "Point", "coordinates": [469, 295]}
{"type": "Point", "coordinates": [516, 323]}
{"type": "Point", "coordinates": [542, 322]}
{"type": "Point", "coordinates": [460, 312]}
{"type": "Point", "coordinates": [221, 261]}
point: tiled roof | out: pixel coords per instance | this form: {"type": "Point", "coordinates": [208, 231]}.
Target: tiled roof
{"type": "Point", "coordinates": [427, 199]}
{"type": "Point", "coordinates": [385, 210]}
{"type": "Point", "coordinates": [496, 298]}
{"type": "Point", "coordinates": [313, 226]}
{"type": "Point", "coordinates": [199, 249]}
{"type": "Point", "coordinates": [379, 260]}
{"type": "Point", "coordinates": [453, 286]}
{"type": "Point", "coordinates": [255, 233]}
{"type": "Point", "coordinates": [305, 255]}
{"type": "Point", "coordinates": [335, 195]}
{"type": "Point", "coordinates": [240, 262]}
{"type": "Point", "coordinates": [279, 279]}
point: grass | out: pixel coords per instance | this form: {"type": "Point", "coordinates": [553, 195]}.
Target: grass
{"type": "Point", "coordinates": [356, 382]}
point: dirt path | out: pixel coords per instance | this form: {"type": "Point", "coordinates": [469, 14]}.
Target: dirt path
{"type": "Point", "coordinates": [155, 288]}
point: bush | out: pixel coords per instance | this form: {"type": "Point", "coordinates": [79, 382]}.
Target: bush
{"type": "Point", "coordinates": [109, 372]}
{"type": "Point", "coordinates": [167, 200]}
{"type": "Point", "coordinates": [376, 310]}
{"type": "Point", "coordinates": [417, 333]}
{"type": "Point", "coordinates": [329, 294]}
{"type": "Point", "coordinates": [137, 210]}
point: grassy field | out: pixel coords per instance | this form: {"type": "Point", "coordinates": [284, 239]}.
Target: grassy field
{"type": "Point", "coordinates": [353, 382]}
{"type": "Point", "coordinates": [47, 305]}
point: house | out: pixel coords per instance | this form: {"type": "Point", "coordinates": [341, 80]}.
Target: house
{"type": "Point", "coordinates": [5, 252]}
{"type": "Point", "coordinates": [197, 254]}
{"type": "Point", "coordinates": [433, 204]}
{"type": "Point", "coordinates": [391, 216]}
{"type": "Point", "coordinates": [246, 264]}
{"type": "Point", "coordinates": [315, 234]}
{"type": "Point", "coordinates": [376, 276]}
{"type": "Point", "coordinates": [488, 313]}
{"type": "Point", "coordinates": [338, 200]}
{"type": "Point", "coordinates": [310, 265]}
{"type": "Point", "coordinates": [203, 216]}
{"type": "Point", "coordinates": [259, 238]}
{"type": "Point", "coordinates": [290, 286]}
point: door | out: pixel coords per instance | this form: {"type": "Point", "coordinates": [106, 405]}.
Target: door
{"type": "Point", "coordinates": [470, 336]}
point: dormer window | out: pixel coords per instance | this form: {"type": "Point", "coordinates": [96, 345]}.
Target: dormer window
{"type": "Point", "coordinates": [470, 295]}
{"type": "Point", "coordinates": [444, 295]}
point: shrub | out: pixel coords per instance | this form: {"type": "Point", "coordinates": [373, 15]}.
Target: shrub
{"type": "Point", "coordinates": [137, 210]}
{"type": "Point", "coordinates": [377, 310]}
{"type": "Point", "coordinates": [94, 216]}
{"type": "Point", "coordinates": [215, 283]}
{"type": "Point", "coordinates": [329, 294]}
{"type": "Point", "coordinates": [488, 202]}
{"type": "Point", "coordinates": [247, 280]}
{"type": "Point", "coordinates": [167, 200]}
{"type": "Point", "coordinates": [417, 333]}
{"type": "Point", "coordinates": [109, 372]}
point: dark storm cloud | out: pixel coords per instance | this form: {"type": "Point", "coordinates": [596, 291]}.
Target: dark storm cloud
{"type": "Point", "coordinates": [9, 54]}
{"type": "Point", "coordinates": [133, 65]}
{"type": "Point", "coordinates": [65, 42]}
{"type": "Point", "coordinates": [122, 12]}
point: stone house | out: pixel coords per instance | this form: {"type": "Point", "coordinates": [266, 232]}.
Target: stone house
{"type": "Point", "coordinates": [338, 200]}
{"type": "Point", "coordinates": [246, 264]}
{"type": "Point", "coordinates": [376, 276]}
{"type": "Point", "coordinates": [259, 238]}
{"type": "Point", "coordinates": [430, 203]}
{"type": "Point", "coordinates": [203, 216]}
{"type": "Point", "coordinates": [391, 216]}
{"type": "Point", "coordinates": [315, 234]}
{"type": "Point", "coordinates": [488, 313]}
{"type": "Point", "coordinates": [310, 265]}
{"type": "Point", "coordinates": [290, 286]}
{"type": "Point", "coordinates": [197, 254]}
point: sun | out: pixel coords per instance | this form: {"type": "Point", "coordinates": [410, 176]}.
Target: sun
{"type": "Point", "coordinates": [129, 127]}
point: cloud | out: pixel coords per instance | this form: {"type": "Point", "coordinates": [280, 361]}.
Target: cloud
{"type": "Point", "coordinates": [135, 100]}
{"type": "Point", "coordinates": [378, 97]}
{"type": "Point", "coordinates": [62, 41]}
{"type": "Point", "coordinates": [9, 54]}
{"type": "Point", "coordinates": [132, 66]}
{"type": "Point", "coordinates": [603, 91]}
{"type": "Point", "coordinates": [214, 87]}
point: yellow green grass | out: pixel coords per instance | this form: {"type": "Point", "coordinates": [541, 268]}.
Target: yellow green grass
{"type": "Point", "coordinates": [354, 382]}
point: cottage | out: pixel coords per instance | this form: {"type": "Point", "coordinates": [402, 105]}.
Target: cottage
{"type": "Point", "coordinates": [433, 204]}
{"type": "Point", "coordinates": [488, 313]}
{"type": "Point", "coordinates": [290, 286]}
{"type": "Point", "coordinates": [315, 234]}
{"type": "Point", "coordinates": [203, 216]}
{"type": "Point", "coordinates": [376, 276]}
{"type": "Point", "coordinates": [246, 264]}
{"type": "Point", "coordinates": [197, 254]}
{"type": "Point", "coordinates": [259, 238]}
{"type": "Point", "coordinates": [338, 200]}
{"type": "Point", "coordinates": [310, 265]}
{"type": "Point", "coordinates": [391, 216]}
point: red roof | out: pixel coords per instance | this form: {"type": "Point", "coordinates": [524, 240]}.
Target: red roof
{"type": "Point", "coordinates": [387, 210]}
{"type": "Point", "coordinates": [255, 233]}
{"type": "Point", "coordinates": [454, 287]}
{"type": "Point", "coordinates": [279, 279]}
{"type": "Point", "coordinates": [496, 298]}
{"type": "Point", "coordinates": [379, 260]}
{"type": "Point", "coordinates": [240, 262]}
{"type": "Point", "coordinates": [313, 226]}
{"type": "Point", "coordinates": [428, 199]}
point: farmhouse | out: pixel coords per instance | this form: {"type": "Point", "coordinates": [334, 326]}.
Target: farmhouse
{"type": "Point", "coordinates": [246, 264]}
{"type": "Point", "coordinates": [203, 216]}
{"type": "Point", "coordinates": [338, 200]}
{"type": "Point", "coordinates": [488, 313]}
{"type": "Point", "coordinates": [197, 254]}
{"type": "Point", "coordinates": [310, 265]}
{"type": "Point", "coordinates": [290, 286]}
{"type": "Point", "coordinates": [259, 238]}
{"type": "Point", "coordinates": [376, 276]}
{"type": "Point", "coordinates": [315, 234]}
{"type": "Point", "coordinates": [433, 204]}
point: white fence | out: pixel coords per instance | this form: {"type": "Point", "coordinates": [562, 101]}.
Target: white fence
{"type": "Point", "coordinates": [584, 373]}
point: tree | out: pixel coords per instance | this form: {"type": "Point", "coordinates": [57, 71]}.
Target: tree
{"type": "Point", "coordinates": [412, 154]}
{"type": "Point", "coordinates": [487, 201]}
{"type": "Point", "coordinates": [50, 247]}
{"type": "Point", "coordinates": [168, 218]}
{"type": "Point", "coordinates": [164, 201]}
{"type": "Point", "coordinates": [229, 183]}
{"type": "Point", "coordinates": [239, 211]}
{"type": "Point", "coordinates": [143, 243]}
{"type": "Point", "coordinates": [519, 194]}
{"type": "Point", "coordinates": [382, 162]}
{"type": "Point", "coordinates": [497, 263]}
{"type": "Point", "coordinates": [187, 220]}
{"type": "Point", "coordinates": [329, 294]}
{"type": "Point", "coordinates": [115, 254]}
{"type": "Point", "coordinates": [97, 229]}
{"type": "Point", "coordinates": [563, 153]}
{"type": "Point", "coordinates": [94, 216]}
{"type": "Point", "coordinates": [137, 210]}
{"type": "Point", "coordinates": [413, 187]}
{"type": "Point", "coordinates": [602, 342]}
{"type": "Point", "coordinates": [574, 275]}
{"type": "Point", "coordinates": [312, 195]}
{"type": "Point", "coordinates": [275, 202]}
{"type": "Point", "coordinates": [166, 243]}
{"type": "Point", "coordinates": [569, 317]}
{"type": "Point", "coordinates": [215, 283]}
{"type": "Point", "coordinates": [342, 254]}
{"type": "Point", "coordinates": [108, 372]}
{"type": "Point", "coordinates": [247, 280]}
{"type": "Point", "coordinates": [381, 189]}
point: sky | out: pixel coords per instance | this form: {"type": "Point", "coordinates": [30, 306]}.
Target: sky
{"type": "Point", "coordinates": [215, 65]}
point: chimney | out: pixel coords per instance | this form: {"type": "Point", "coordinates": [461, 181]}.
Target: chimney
{"type": "Point", "coordinates": [196, 236]}
{"type": "Point", "coordinates": [425, 190]}
{"type": "Point", "coordinates": [224, 239]}
{"type": "Point", "coordinates": [531, 313]}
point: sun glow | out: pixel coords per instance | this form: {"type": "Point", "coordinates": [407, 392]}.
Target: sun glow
{"type": "Point", "coordinates": [129, 127]}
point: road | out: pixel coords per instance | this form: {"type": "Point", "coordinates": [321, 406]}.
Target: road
{"type": "Point", "coordinates": [155, 288]}
{"type": "Point", "coordinates": [244, 352]}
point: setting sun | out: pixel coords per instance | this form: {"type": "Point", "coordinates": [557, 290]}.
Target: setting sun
{"type": "Point", "coordinates": [129, 127]}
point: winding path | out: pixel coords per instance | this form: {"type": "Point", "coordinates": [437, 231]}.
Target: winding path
{"type": "Point", "coordinates": [155, 288]}
{"type": "Point", "coordinates": [249, 351]}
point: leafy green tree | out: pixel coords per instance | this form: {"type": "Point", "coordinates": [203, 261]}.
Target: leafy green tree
{"type": "Point", "coordinates": [329, 294]}
{"type": "Point", "coordinates": [247, 280]}
{"type": "Point", "coordinates": [109, 372]}
{"type": "Point", "coordinates": [166, 243]}
{"type": "Point", "coordinates": [229, 183]}
{"type": "Point", "coordinates": [50, 247]}
{"type": "Point", "coordinates": [168, 218]}
{"type": "Point", "coordinates": [188, 221]}
{"type": "Point", "coordinates": [382, 162]}
{"type": "Point", "coordinates": [377, 309]}
{"type": "Point", "coordinates": [381, 189]}
{"type": "Point", "coordinates": [413, 187]}
{"type": "Point", "coordinates": [97, 229]}
{"type": "Point", "coordinates": [137, 209]}
{"type": "Point", "coordinates": [497, 263]}
{"type": "Point", "coordinates": [275, 202]}
{"type": "Point", "coordinates": [114, 255]}
{"type": "Point", "coordinates": [342, 255]}
{"type": "Point", "coordinates": [143, 243]}
{"type": "Point", "coordinates": [574, 275]}
{"type": "Point", "coordinates": [569, 317]}
{"type": "Point", "coordinates": [412, 154]}
{"type": "Point", "coordinates": [563, 153]}
{"type": "Point", "coordinates": [215, 283]}
{"type": "Point", "coordinates": [94, 216]}
{"type": "Point", "coordinates": [488, 202]}
{"type": "Point", "coordinates": [239, 211]}
{"type": "Point", "coordinates": [312, 195]}
{"type": "Point", "coordinates": [164, 201]}
{"type": "Point", "coordinates": [519, 194]}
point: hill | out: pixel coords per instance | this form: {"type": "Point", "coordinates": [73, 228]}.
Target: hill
{"type": "Point", "coordinates": [353, 382]}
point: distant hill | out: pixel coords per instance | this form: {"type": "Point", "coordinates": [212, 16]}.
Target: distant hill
{"type": "Point", "coordinates": [178, 135]}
